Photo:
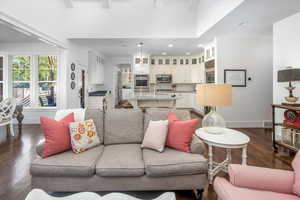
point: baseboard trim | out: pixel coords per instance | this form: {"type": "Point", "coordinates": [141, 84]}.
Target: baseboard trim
{"type": "Point", "coordinates": [247, 124]}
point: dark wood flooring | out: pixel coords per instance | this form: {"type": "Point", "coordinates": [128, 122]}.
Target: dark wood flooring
{"type": "Point", "coordinates": [16, 154]}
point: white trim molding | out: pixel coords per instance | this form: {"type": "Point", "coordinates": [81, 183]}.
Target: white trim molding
{"type": "Point", "coordinates": [26, 28]}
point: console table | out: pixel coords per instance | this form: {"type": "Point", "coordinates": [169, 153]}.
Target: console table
{"type": "Point", "coordinates": [274, 124]}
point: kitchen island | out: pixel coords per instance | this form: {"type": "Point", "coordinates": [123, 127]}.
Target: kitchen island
{"type": "Point", "coordinates": [153, 101]}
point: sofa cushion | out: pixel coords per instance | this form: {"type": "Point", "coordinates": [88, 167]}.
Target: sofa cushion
{"type": "Point", "coordinates": [97, 116]}
{"type": "Point", "coordinates": [121, 160]}
{"type": "Point", "coordinates": [67, 164]}
{"type": "Point", "coordinates": [173, 163]}
{"type": "Point", "coordinates": [155, 114]}
{"type": "Point", "coordinates": [123, 126]}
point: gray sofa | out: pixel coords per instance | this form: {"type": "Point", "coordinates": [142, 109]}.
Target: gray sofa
{"type": "Point", "coordinates": [119, 163]}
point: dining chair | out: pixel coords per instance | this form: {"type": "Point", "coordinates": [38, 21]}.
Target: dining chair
{"type": "Point", "coordinates": [7, 109]}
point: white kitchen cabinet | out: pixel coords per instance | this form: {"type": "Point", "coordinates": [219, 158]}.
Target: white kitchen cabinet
{"type": "Point", "coordinates": [163, 69]}
{"type": "Point", "coordinates": [95, 102]}
{"type": "Point", "coordinates": [127, 94]}
{"type": "Point", "coordinates": [153, 72]}
{"type": "Point", "coordinates": [181, 74]}
{"type": "Point", "coordinates": [197, 74]}
{"type": "Point", "coordinates": [185, 100]}
{"type": "Point", "coordinates": [95, 69]}
{"type": "Point", "coordinates": [180, 101]}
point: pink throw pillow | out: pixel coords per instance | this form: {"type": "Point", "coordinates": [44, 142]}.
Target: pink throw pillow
{"type": "Point", "coordinates": [57, 135]}
{"type": "Point", "coordinates": [181, 133]}
{"type": "Point", "coordinates": [296, 167]}
{"type": "Point", "coordinates": [172, 117]}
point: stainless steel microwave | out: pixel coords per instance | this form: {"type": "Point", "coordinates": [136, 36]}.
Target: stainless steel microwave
{"type": "Point", "coordinates": [164, 78]}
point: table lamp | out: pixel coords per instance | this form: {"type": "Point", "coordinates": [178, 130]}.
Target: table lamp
{"type": "Point", "coordinates": [289, 75]}
{"type": "Point", "coordinates": [214, 95]}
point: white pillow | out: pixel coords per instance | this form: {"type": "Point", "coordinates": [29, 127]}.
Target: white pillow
{"type": "Point", "coordinates": [79, 114]}
{"type": "Point", "coordinates": [156, 135]}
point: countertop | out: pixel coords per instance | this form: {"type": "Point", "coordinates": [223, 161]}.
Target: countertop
{"type": "Point", "coordinates": [153, 97]}
{"type": "Point", "coordinates": [99, 93]}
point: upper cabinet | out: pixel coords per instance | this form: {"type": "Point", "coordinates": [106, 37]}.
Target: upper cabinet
{"type": "Point", "coordinates": [95, 68]}
{"type": "Point", "coordinates": [141, 64]}
{"type": "Point", "coordinates": [210, 51]}
{"type": "Point", "coordinates": [184, 69]}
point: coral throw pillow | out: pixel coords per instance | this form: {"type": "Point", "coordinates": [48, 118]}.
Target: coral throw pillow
{"type": "Point", "coordinates": [172, 117]}
{"type": "Point", "coordinates": [57, 135]}
{"type": "Point", "coordinates": [181, 133]}
{"type": "Point", "coordinates": [296, 167]}
{"type": "Point", "coordinates": [83, 135]}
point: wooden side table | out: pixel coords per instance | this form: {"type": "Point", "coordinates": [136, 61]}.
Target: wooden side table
{"type": "Point", "coordinates": [229, 139]}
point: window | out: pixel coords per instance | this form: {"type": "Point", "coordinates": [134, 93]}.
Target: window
{"type": "Point", "coordinates": [34, 80]}
{"type": "Point", "coordinates": [1, 78]}
{"type": "Point", "coordinates": [21, 77]}
{"type": "Point", "coordinates": [47, 71]}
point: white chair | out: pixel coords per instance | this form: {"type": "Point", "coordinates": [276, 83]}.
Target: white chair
{"type": "Point", "coordinates": [7, 109]}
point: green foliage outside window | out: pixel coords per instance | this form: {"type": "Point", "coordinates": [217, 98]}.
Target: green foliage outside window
{"type": "Point", "coordinates": [47, 68]}
{"type": "Point", "coordinates": [21, 68]}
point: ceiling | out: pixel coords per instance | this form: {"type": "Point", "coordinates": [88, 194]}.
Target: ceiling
{"type": "Point", "coordinates": [128, 47]}
{"type": "Point", "coordinates": [253, 17]}
{"type": "Point", "coordinates": [11, 35]}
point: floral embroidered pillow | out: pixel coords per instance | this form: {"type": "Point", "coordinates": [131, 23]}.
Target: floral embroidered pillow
{"type": "Point", "coordinates": [83, 135]}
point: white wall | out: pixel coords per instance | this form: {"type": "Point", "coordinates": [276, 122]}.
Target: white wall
{"type": "Point", "coordinates": [78, 55]}
{"type": "Point", "coordinates": [211, 12]}
{"type": "Point", "coordinates": [251, 104]}
{"type": "Point", "coordinates": [286, 53]}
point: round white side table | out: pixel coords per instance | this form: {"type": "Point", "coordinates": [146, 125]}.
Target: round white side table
{"type": "Point", "coordinates": [228, 139]}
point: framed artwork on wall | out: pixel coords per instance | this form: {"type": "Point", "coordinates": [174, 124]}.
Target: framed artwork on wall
{"type": "Point", "coordinates": [235, 77]}
{"type": "Point", "coordinates": [72, 76]}
{"type": "Point", "coordinates": [73, 85]}
{"type": "Point", "coordinates": [73, 66]}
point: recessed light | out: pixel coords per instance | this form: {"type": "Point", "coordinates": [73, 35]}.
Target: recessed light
{"type": "Point", "coordinates": [164, 53]}
{"type": "Point", "coordinates": [187, 53]}
{"type": "Point", "coordinates": [200, 45]}
{"type": "Point", "coordinates": [170, 45]}
{"type": "Point", "coordinates": [140, 44]}
{"type": "Point", "coordinates": [242, 23]}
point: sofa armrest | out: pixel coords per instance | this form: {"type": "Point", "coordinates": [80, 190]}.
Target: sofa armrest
{"type": "Point", "coordinates": [261, 178]}
{"type": "Point", "coordinates": [40, 148]}
{"type": "Point", "coordinates": [197, 146]}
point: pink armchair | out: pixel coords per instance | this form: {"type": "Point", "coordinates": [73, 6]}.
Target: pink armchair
{"type": "Point", "coordinates": [256, 183]}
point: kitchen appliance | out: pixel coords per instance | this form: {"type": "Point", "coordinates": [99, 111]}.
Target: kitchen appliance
{"type": "Point", "coordinates": [210, 77]}
{"type": "Point", "coordinates": [163, 78]}
{"type": "Point", "coordinates": [141, 81]}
